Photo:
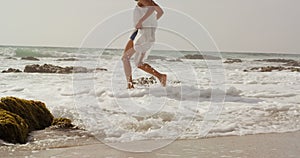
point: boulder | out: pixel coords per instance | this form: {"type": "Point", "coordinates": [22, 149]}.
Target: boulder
{"type": "Point", "coordinates": [11, 70]}
{"type": "Point", "coordinates": [30, 58]}
{"type": "Point", "coordinates": [18, 117]}
{"type": "Point", "coordinates": [13, 128]}
{"type": "Point", "coordinates": [34, 113]}
{"type": "Point", "coordinates": [62, 123]}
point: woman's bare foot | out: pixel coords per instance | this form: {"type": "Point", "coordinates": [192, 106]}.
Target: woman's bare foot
{"type": "Point", "coordinates": [130, 85]}
{"type": "Point", "coordinates": [163, 80]}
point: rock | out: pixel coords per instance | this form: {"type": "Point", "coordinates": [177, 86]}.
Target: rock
{"type": "Point", "coordinates": [293, 63]}
{"type": "Point", "coordinates": [277, 60]}
{"type": "Point", "coordinates": [13, 128]}
{"type": "Point", "coordinates": [193, 56]}
{"type": "Point", "coordinates": [48, 68]}
{"type": "Point", "coordinates": [288, 62]}
{"type": "Point", "coordinates": [62, 123]}
{"type": "Point", "coordinates": [293, 69]}
{"type": "Point", "coordinates": [230, 61]}
{"type": "Point", "coordinates": [30, 58]}
{"type": "Point", "coordinates": [101, 69]}
{"type": "Point", "coordinates": [198, 56]}
{"type": "Point", "coordinates": [67, 59]}
{"type": "Point", "coordinates": [18, 117]}
{"type": "Point", "coordinates": [145, 81]}
{"type": "Point", "coordinates": [272, 68]}
{"type": "Point", "coordinates": [34, 113]}
{"type": "Point", "coordinates": [266, 69]}
{"type": "Point", "coordinates": [11, 70]}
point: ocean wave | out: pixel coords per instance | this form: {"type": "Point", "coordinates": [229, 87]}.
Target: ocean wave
{"type": "Point", "coordinates": [48, 52]}
{"type": "Point", "coordinates": [26, 52]}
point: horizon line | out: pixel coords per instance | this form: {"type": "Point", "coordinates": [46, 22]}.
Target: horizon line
{"type": "Point", "coordinates": [73, 47]}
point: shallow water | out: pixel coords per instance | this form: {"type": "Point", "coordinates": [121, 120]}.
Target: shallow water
{"type": "Point", "coordinates": [202, 99]}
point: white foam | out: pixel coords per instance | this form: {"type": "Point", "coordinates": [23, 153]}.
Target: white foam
{"type": "Point", "coordinates": [255, 102]}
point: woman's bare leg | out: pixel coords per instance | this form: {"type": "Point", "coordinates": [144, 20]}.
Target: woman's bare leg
{"type": "Point", "coordinates": [129, 51]}
{"type": "Point", "coordinates": [147, 68]}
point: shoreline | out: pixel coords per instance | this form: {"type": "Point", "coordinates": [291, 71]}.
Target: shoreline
{"type": "Point", "coordinates": [275, 145]}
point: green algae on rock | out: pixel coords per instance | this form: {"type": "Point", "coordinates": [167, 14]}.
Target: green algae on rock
{"type": "Point", "coordinates": [35, 113]}
{"type": "Point", "coordinates": [13, 128]}
{"type": "Point", "coordinates": [18, 117]}
{"type": "Point", "coordinates": [62, 123]}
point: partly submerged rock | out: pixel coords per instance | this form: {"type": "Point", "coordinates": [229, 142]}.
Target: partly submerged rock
{"type": "Point", "coordinates": [49, 68]}
{"type": "Point", "coordinates": [145, 81]}
{"type": "Point", "coordinates": [62, 123]}
{"type": "Point", "coordinates": [18, 117]}
{"type": "Point", "coordinates": [30, 58]}
{"type": "Point", "coordinates": [193, 56]}
{"type": "Point", "coordinates": [13, 128]}
{"type": "Point", "coordinates": [101, 69]}
{"type": "Point", "coordinates": [34, 113]}
{"type": "Point", "coordinates": [273, 68]}
{"type": "Point", "coordinates": [67, 59]}
{"type": "Point", "coordinates": [287, 62]}
{"type": "Point", "coordinates": [199, 56]}
{"type": "Point", "coordinates": [11, 70]}
{"type": "Point", "coordinates": [293, 63]}
{"type": "Point", "coordinates": [230, 61]}
{"type": "Point", "coordinates": [277, 60]}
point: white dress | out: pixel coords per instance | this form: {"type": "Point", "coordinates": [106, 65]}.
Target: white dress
{"type": "Point", "coordinates": [146, 38]}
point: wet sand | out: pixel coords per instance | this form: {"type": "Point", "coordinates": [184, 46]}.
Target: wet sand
{"type": "Point", "coordinates": [285, 145]}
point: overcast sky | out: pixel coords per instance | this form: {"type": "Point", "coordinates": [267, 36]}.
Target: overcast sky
{"type": "Point", "coordinates": [235, 25]}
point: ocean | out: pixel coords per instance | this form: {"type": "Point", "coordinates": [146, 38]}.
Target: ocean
{"type": "Point", "coordinates": [203, 98]}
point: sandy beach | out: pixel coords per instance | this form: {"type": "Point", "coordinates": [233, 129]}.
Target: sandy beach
{"type": "Point", "coordinates": [285, 145]}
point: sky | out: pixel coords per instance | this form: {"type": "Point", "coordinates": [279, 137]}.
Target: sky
{"type": "Point", "coordinates": [233, 25]}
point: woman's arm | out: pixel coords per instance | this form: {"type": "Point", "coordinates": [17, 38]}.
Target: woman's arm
{"type": "Point", "coordinates": [158, 10]}
{"type": "Point", "coordinates": [151, 8]}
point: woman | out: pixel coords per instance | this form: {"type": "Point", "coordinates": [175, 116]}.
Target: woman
{"type": "Point", "coordinates": [146, 14]}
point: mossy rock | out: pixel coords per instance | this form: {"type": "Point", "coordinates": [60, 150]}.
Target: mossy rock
{"type": "Point", "coordinates": [62, 123]}
{"type": "Point", "coordinates": [13, 128]}
{"type": "Point", "coordinates": [35, 113]}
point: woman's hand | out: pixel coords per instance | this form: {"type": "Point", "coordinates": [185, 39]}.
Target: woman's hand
{"type": "Point", "coordinates": [139, 25]}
